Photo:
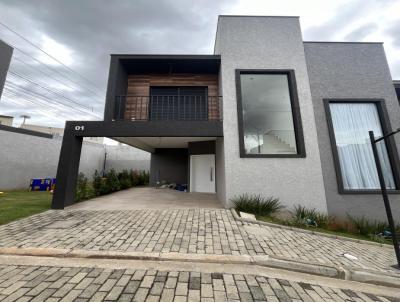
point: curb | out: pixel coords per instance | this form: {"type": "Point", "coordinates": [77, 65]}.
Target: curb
{"type": "Point", "coordinates": [285, 227]}
{"type": "Point", "coordinates": [364, 276]}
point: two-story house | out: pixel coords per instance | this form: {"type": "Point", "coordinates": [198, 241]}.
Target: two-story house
{"type": "Point", "coordinates": [266, 114]}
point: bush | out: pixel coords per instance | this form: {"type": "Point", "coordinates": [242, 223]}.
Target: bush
{"type": "Point", "coordinates": [256, 204]}
{"type": "Point", "coordinates": [302, 215]}
{"type": "Point", "coordinates": [139, 178]}
{"type": "Point", "coordinates": [81, 187]}
{"type": "Point", "coordinates": [124, 180]}
{"type": "Point", "coordinates": [112, 182]}
{"type": "Point", "coordinates": [98, 184]}
{"type": "Point", "coordinates": [363, 226]}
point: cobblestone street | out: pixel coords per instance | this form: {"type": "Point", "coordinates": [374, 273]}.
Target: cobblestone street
{"type": "Point", "coordinates": [193, 231]}
{"type": "Point", "coordinates": [44, 283]}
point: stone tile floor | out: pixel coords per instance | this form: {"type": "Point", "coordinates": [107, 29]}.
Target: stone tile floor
{"type": "Point", "coordinates": [200, 231]}
{"type": "Point", "coordinates": [43, 283]}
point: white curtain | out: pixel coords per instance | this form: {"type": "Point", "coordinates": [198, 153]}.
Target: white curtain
{"type": "Point", "coordinates": [351, 123]}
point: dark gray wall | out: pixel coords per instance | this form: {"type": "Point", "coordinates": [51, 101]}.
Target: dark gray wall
{"type": "Point", "coordinates": [169, 164]}
{"type": "Point", "coordinates": [206, 147]}
{"type": "Point", "coordinates": [5, 59]}
{"type": "Point", "coordinates": [117, 85]}
{"type": "Point", "coordinates": [350, 70]}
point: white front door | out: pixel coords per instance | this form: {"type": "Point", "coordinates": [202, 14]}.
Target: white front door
{"type": "Point", "coordinates": [202, 173]}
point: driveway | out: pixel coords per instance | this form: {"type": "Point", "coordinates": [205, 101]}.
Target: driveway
{"type": "Point", "coordinates": [149, 198]}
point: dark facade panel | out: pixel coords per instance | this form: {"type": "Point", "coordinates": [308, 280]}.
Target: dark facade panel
{"type": "Point", "coordinates": [170, 165]}
{"type": "Point", "coordinates": [397, 89]}
{"type": "Point", "coordinates": [206, 147]}
{"type": "Point", "coordinates": [5, 59]}
{"type": "Point", "coordinates": [146, 128]}
{"type": "Point", "coordinates": [123, 65]}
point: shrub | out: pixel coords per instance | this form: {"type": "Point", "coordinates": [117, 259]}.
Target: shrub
{"type": "Point", "coordinates": [143, 178]}
{"type": "Point", "coordinates": [302, 215]}
{"type": "Point", "coordinates": [363, 226]}
{"type": "Point", "coordinates": [81, 187]}
{"type": "Point", "coordinates": [124, 180]}
{"type": "Point", "coordinates": [256, 204]}
{"type": "Point", "coordinates": [98, 186]}
{"type": "Point", "coordinates": [112, 182]}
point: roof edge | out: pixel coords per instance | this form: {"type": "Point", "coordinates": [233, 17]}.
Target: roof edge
{"type": "Point", "coordinates": [341, 42]}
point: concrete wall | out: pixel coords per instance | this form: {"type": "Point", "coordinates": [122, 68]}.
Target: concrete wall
{"type": "Point", "coordinates": [350, 70]}
{"type": "Point", "coordinates": [23, 157]}
{"type": "Point", "coordinates": [125, 157]}
{"type": "Point", "coordinates": [170, 165]}
{"type": "Point", "coordinates": [5, 59]}
{"type": "Point", "coordinates": [267, 43]}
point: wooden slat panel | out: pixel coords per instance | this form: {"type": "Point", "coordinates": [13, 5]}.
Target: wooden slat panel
{"type": "Point", "coordinates": [139, 85]}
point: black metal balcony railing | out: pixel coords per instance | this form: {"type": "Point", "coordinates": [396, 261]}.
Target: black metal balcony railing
{"type": "Point", "coordinates": [167, 107]}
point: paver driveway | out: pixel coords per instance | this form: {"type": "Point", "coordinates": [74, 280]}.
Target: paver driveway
{"type": "Point", "coordinates": [44, 283]}
{"type": "Point", "coordinates": [140, 198]}
{"type": "Point", "coordinates": [200, 231]}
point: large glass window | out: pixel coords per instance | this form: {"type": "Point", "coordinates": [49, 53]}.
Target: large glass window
{"type": "Point", "coordinates": [351, 123]}
{"type": "Point", "coordinates": [268, 126]}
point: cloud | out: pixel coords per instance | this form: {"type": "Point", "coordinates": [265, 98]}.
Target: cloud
{"type": "Point", "coordinates": [84, 34]}
{"type": "Point", "coordinates": [361, 32]}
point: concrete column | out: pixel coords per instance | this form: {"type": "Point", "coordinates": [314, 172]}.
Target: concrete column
{"type": "Point", "coordinates": [67, 171]}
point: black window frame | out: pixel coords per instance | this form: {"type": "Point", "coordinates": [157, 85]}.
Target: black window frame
{"type": "Point", "coordinates": [294, 101]}
{"type": "Point", "coordinates": [390, 143]}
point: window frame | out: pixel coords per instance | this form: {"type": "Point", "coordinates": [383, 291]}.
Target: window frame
{"type": "Point", "coordinates": [390, 143]}
{"type": "Point", "coordinates": [294, 102]}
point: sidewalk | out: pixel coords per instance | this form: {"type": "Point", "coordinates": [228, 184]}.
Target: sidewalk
{"type": "Point", "coordinates": [201, 234]}
{"type": "Point", "coordinates": [117, 280]}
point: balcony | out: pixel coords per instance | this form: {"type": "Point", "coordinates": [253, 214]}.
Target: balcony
{"type": "Point", "coordinates": [167, 108]}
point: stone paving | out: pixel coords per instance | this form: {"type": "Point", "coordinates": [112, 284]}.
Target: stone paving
{"type": "Point", "coordinates": [199, 231]}
{"type": "Point", "coordinates": [42, 283]}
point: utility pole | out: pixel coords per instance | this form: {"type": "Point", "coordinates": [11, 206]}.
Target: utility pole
{"type": "Point", "coordinates": [385, 195]}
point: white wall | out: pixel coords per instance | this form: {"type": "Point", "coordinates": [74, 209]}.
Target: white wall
{"type": "Point", "coordinates": [268, 43]}
{"type": "Point", "coordinates": [23, 157]}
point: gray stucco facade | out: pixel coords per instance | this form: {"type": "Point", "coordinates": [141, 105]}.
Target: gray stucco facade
{"type": "Point", "coordinates": [5, 59]}
{"type": "Point", "coordinates": [350, 71]}
{"type": "Point", "coordinates": [267, 43]}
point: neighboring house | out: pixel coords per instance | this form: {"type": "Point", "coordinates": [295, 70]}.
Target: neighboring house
{"type": "Point", "coordinates": [5, 59]}
{"type": "Point", "coordinates": [55, 131]}
{"type": "Point", "coordinates": [6, 120]}
{"type": "Point", "coordinates": [265, 114]}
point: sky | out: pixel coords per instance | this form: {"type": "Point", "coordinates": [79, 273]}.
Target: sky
{"type": "Point", "coordinates": [60, 63]}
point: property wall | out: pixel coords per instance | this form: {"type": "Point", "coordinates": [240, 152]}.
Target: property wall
{"type": "Point", "coordinates": [23, 157]}
{"type": "Point", "coordinates": [170, 165]}
{"type": "Point", "coordinates": [350, 70]}
{"type": "Point", "coordinates": [267, 43]}
{"type": "Point", "coordinates": [125, 157]}
{"type": "Point", "coordinates": [5, 58]}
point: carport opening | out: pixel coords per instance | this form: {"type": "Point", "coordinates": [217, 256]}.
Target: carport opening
{"type": "Point", "coordinates": [184, 163]}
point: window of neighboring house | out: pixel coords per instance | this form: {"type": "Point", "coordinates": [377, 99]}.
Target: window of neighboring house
{"type": "Point", "coordinates": [269, 116]}
{"type": "Point", "coordinates": [350, 124]}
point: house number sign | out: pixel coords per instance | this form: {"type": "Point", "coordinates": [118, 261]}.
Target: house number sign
{"type": "Point", "coordinates": [79, 128]}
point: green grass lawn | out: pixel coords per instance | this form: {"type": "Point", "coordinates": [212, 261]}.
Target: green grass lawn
{"type": "Point", "coordinates": [22, 203]}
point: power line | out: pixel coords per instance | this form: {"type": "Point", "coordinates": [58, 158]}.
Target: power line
{"type": "Point", "coordinates": [55, 59]}
{"type": "Point", "coordinates": [51, 91]}
{"type": "Point", "coordinates": [52, 110]}
{"type": "Point", "coordinates": [55, 70]}
{"type": "Point", "coordinates": [42, 72]}
{"type": "Point", "coordinates": [9, 97]}
{"type": "Point", "coordinates": [37, 96]}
